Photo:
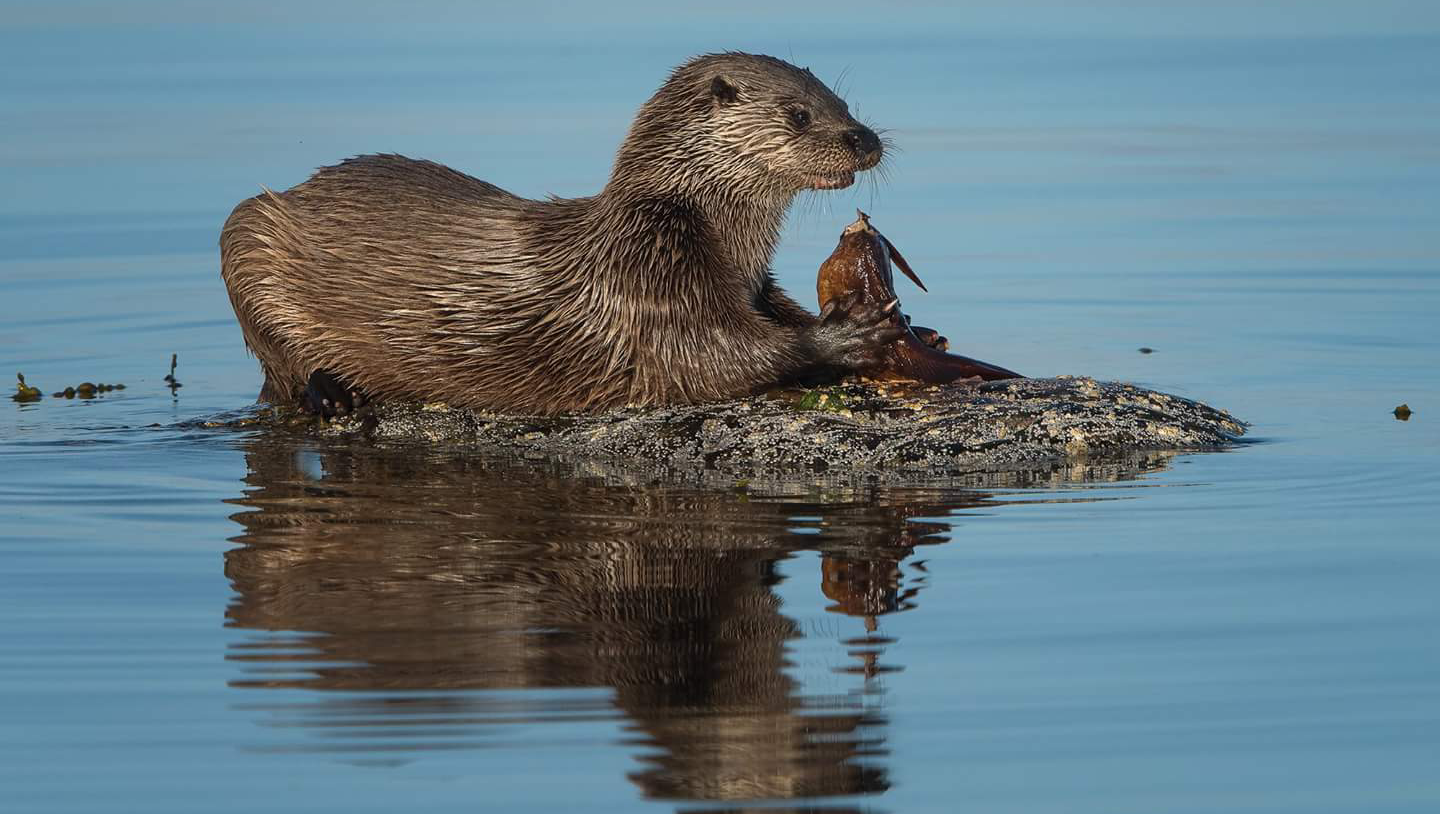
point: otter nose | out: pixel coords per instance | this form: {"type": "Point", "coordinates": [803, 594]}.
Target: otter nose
{"type": "Point", "coordinates": [863, 141]}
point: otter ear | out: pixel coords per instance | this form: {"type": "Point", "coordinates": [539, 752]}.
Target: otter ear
{"type": "Point", "coordinates": [724, 92]}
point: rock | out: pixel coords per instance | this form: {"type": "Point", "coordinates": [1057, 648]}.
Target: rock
{"type": "Point", "coordinates": [888, 433]}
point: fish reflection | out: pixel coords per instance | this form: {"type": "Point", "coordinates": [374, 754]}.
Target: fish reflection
{"type": "Point", "coordinates": [415, 579]}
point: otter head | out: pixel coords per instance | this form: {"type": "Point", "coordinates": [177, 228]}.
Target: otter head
{"type": "Point", "coordinates": [747, 123]}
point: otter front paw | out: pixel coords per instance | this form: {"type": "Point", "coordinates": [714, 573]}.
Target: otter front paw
{"type": "Point", "coordinates": [327, 396]}
{"type": "Point", "coordinates": [852, 332]}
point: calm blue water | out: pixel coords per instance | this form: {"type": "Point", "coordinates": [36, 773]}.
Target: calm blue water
{"type": "Point", "coordinates": [222, 621]}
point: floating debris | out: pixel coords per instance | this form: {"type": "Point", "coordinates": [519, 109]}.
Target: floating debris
{"type": "Point", "coordinates": [24, 392]}
{"type": "Point", "coordinates": [86, 390]}
{"type": "Point", "coordinates": [170, 380]}
{"type": "Point", "coordinates": [1402, 413]}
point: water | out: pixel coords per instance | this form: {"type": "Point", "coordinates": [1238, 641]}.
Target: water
{"type": "Point", "coordinates": [220, 621]}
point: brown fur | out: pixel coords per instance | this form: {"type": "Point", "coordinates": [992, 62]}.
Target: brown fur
{"type": "Point", "coordinates": [410, 280]}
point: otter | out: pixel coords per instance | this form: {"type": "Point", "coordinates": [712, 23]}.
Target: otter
{"type": "Point", "coordinates": [389, 278]}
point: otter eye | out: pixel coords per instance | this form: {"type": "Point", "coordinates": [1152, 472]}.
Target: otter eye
{"type": "Point", "coordinates": [800, 117]}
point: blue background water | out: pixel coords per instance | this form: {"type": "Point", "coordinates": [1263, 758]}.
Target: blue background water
{"type": "Point", "coordinates": [1250, 191]}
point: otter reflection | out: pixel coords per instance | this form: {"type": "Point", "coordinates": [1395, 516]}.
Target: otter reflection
{"type": "Point", "coordinates": [421, 577]}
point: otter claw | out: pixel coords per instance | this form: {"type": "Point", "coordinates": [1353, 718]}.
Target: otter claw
{"type": "Point", "coordinates": [828, 309]}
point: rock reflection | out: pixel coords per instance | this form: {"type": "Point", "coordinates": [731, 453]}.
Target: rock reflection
{"type": "Point", "coordinates": [422, 577]}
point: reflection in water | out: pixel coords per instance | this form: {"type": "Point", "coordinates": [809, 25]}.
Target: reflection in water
{"type": "Point", "coordinates": [425, 577]}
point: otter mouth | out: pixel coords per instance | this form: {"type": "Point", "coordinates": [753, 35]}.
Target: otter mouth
{"type": "Point", "coordinates": [834, 180]}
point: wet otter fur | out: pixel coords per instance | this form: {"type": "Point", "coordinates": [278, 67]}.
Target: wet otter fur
{"type": "Point", "coordinates": [401, 279]}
